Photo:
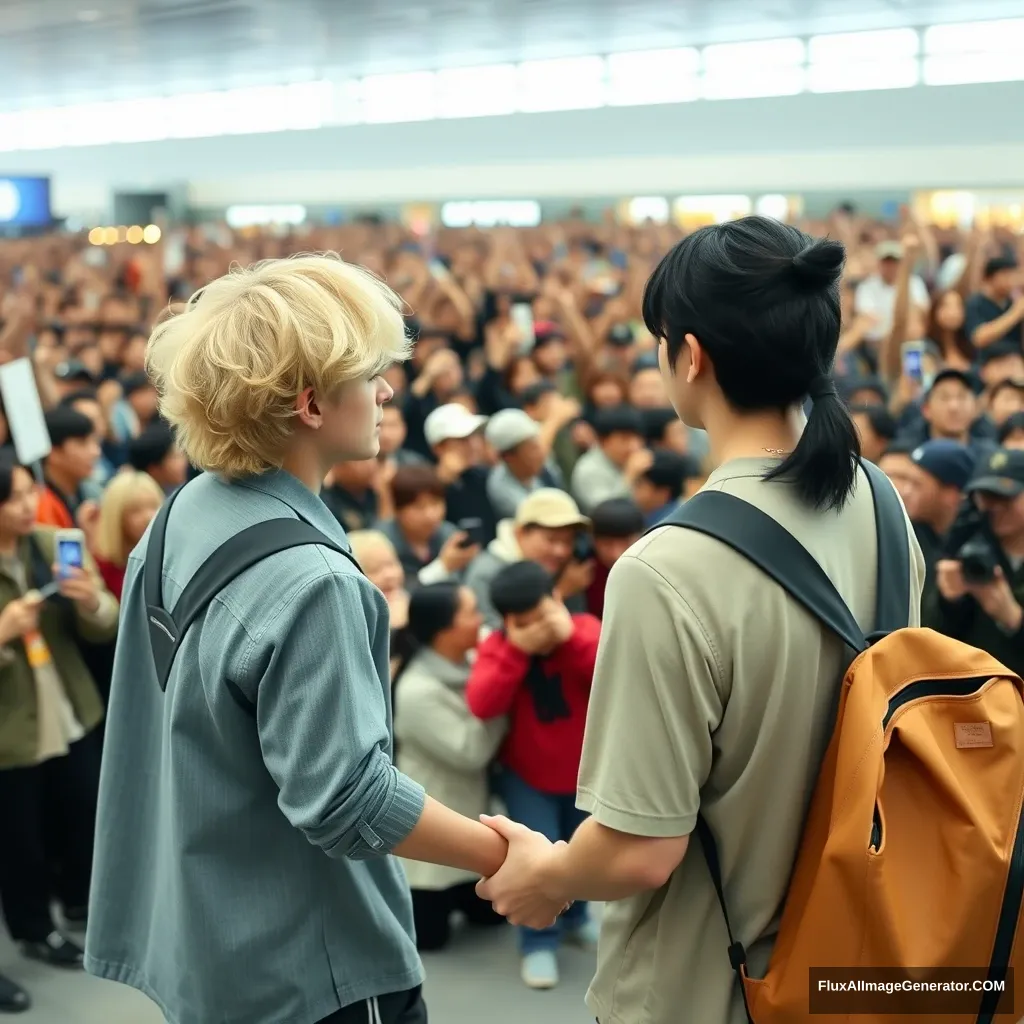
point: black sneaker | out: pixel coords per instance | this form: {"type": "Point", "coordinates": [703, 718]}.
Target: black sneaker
{"type": "Point", "coordinates": [55, 950]}
{"type": "Point", "coordinates": [13, 998]}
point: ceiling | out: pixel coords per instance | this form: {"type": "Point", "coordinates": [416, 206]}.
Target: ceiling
{"type": "Point", "coordinates": [64, 51]}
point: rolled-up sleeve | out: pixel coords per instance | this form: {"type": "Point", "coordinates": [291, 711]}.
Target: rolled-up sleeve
{"type": "Point", "coordinates": [323, 718]}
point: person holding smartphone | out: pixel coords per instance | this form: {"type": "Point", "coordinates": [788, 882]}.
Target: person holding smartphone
{"type": "Point", "coordinates": [51, 597]}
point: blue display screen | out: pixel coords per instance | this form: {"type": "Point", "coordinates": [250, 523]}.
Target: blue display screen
{"type": "Point", "coordinates": [25, 202]}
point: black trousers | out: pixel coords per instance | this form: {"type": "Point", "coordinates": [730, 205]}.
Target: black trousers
{"type": "Point", "coordinates": [47, 823]}
{"type": "Point", "coordinates": [394, 1008]}
{"type": "Point", "coordinates": [432, 911]}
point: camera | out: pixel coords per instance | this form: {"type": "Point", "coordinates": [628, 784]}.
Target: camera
{"type": "Point", "coordinates": [973, 545]}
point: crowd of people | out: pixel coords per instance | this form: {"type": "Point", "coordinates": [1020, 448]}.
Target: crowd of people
{"type": "Point", "coordinates": [530, 441]}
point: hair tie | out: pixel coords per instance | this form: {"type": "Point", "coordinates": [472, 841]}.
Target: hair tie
{"type": "Point", "coordinates": [822, 387]}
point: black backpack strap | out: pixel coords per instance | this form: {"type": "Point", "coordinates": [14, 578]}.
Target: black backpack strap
{"type": "Point", "coordinates": [774, 550]}
{"type": "Point", "coordinates": [167, 628]}
{"type": "Point", "coordinates": [892, 604]}
{"type": "Point", "coordinates": [153, 574]}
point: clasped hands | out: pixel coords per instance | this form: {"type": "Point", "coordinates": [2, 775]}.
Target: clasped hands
{"type": "Point", "coordinates": [525, 890]}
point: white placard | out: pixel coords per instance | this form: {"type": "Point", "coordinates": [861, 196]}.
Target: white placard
{"type": "Point", "coordinates": [24, 411]}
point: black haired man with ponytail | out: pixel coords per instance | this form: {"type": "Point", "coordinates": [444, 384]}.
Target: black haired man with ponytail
{"type": "Point", "coordinates": [715, 691]}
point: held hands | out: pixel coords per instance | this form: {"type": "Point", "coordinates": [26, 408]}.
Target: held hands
{"type": "Point", "coordinates": [522, 889]}
{"type": "Point", "coordinates": [79, 587]}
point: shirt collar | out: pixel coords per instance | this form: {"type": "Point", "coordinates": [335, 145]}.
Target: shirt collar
{"type": "Point", "coordinates": [280, 484]}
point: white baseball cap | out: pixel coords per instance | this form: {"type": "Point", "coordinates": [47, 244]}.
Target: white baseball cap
{"type": "Point", "coordinates": [509, 428]}
{"type": "Point", "coordinates": [451, 421]}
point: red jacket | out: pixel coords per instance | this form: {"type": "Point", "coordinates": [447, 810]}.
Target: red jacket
{"type": "Point", "coordinates": [546, 755]}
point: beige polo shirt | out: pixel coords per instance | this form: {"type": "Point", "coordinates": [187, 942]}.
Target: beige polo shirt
{"type": "Point", "coordinates": [715, 690]}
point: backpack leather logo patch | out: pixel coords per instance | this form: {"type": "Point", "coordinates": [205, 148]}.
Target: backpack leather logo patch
{"type": "Point", "coordinates": [972, 734]}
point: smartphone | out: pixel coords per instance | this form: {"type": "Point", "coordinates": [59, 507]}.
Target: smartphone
{"type": "Point", "coordinates": [583, 547]}
{"type": "Point", "coordinates": [439, 270]}
{"type": "Point", "coordinates": [522, 316]}
{"type": "Point", "coordinates": [70, 551]}
{"type": "Point", "coordinates": [473, 528]}
{"type": "Point", "coordinates": [913, 361]}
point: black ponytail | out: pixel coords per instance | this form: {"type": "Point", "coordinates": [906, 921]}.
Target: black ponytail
{"type": "Point", "coordinates": [763, 300]}
{"type": "Point", "coordinates": [823, 466]}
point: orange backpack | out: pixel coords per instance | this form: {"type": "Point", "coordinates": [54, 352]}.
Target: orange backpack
{"type": "Point", "coordinates": [912, 854]}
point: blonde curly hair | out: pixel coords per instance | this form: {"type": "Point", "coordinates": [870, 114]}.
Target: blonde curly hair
{"type": "Point", "coordinates": [229, 366]}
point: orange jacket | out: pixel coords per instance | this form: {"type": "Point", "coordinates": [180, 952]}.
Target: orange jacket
{"type": "Point", "coordinates": [52, 511]}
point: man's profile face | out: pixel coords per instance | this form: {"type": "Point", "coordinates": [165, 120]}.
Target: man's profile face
{"type": "Point", "coordinates": [351, 420]}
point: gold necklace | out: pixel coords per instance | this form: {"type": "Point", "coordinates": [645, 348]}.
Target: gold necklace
{"type": "Point", "coordinates": [775, 451]}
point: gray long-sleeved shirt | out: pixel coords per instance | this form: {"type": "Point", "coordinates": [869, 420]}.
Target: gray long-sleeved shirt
{"type": "Point", "coordinates": [241, 871]}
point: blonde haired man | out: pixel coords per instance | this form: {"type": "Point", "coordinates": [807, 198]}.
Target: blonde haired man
{"type": "Point", "coordinates": [271, 745]}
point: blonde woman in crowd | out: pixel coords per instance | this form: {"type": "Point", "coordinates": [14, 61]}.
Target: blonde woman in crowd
{"type": "Point", "coordinates": [443, 747]}
{"type": "Point", "coordinates": [128, 506]}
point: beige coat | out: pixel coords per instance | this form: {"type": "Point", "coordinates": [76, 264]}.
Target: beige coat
{"type": "Point", "coordinates": [444, 748]}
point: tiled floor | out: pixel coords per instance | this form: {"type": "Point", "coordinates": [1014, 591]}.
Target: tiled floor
{"type": "Point", "coordinates": [476, 979]}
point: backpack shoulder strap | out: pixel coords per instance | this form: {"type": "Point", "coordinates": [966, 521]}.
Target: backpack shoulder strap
{"type": "Point", "coordinates": [892, 603]}
{"type": "Point", "coordinates": [167, 628]}
{"type": "Point", "coordinates": [153, 572]}
{"type": "Point", "coordinates": [774, 550]}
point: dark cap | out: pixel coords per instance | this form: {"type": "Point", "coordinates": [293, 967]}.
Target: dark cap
{"type": "Point", "coordinates": [950, 462]}
{"type": "Point", "coordinates": [997, 264]}
{"type": "Point", "coordinates": [132, 382]}
{"type": "Point", "coordinates": [849, 386]}
{"type": "Point", "coordinates": [535, 392]}
{"type": "Point", "coordinates": [618, 419]}
{"type": "Point", "coordinates": [617, 517]}
{"type": "Point", "coordinates": [968, 380]}
{"type": "Point", "coordinates": [1001, 473]}
{"type": "Point", "coordinates": [1010, 424]}
{"type": "Point", "coordinates": [1000, 350]}
{"type": "Point", "coordinates": [73, 370]}
{"type": "Point", "coordinates": [620, 335]}
{"type": "Point", "coordinates": [547, 330]}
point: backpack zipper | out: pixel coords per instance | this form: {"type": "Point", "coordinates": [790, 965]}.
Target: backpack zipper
{"type": "Point", "coordinates": [1013, 896]}
{"type": "Point", "coordinates": [922, 688]}
{"type": "Point", "coordinates": [933, 688]}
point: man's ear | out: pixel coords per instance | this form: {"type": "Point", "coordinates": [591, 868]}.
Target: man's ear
{"type": "Point", "coordinates": [308, 409]}
{"type": "Point", "coordinates": [696, 357]}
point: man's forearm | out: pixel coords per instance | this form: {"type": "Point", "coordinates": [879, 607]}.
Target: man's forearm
{"type": "Point", "coordinates": [602, 864]}
{"type": "Point", "coordinates": [443, 836]}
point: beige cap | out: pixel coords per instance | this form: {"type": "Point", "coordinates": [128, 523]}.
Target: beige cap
{"type": "Point", "coordinates": [889, 251]}
{"type": "Point", "coordinates": [550, 507]}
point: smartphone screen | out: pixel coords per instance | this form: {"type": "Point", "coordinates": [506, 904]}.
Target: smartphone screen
{"type": "Point", "coordinates": [913, 365]}
{"type": "Point", "coordinates": [522, 317]}
{"type": "Point", "coordinates": [69, 554]}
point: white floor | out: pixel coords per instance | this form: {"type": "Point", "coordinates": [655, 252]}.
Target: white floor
{"type": "Point", "coordinates": [475, 979]}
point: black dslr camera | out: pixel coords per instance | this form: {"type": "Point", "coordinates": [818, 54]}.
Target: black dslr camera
{"type": "Point", "coordinates": [974, 546]}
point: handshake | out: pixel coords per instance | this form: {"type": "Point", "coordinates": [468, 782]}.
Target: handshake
{"type": "Point", "coordinates": [526, 888]}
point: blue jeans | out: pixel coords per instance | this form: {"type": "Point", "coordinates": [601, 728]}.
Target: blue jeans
{"type": "Point", "coordinates": [556, 817]}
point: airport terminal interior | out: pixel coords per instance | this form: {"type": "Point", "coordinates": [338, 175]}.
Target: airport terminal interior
{"type": "Point", "coordinates": [515, 170]}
